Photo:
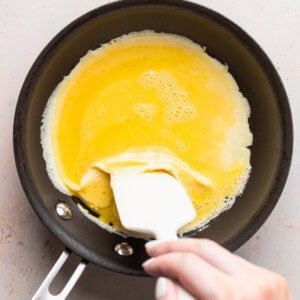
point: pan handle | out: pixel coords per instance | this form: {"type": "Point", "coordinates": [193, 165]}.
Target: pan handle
{"type": "Point", "coordinates": [43, 291]}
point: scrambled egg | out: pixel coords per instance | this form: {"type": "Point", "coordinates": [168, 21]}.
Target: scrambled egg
{"type": "Point", "coordinates": [148, 101]}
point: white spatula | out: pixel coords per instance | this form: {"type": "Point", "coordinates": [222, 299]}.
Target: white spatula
{"type": "Point", "coordinates": [154, 203]}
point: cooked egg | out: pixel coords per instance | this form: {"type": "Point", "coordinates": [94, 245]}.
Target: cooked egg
{"type": "Point", "coordinates": [142, 102]}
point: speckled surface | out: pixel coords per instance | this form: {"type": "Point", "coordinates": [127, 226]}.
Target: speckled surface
{"type": "Point", "coordinates": [27, 249]}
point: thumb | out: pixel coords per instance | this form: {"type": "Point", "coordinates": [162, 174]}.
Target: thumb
{"type": "Point", "coordinates": [166, 289]}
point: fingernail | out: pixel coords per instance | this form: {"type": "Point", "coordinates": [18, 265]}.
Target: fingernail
{"type": "Point", "coordinates": [161, 287]}
{"type": "Point", "coordinates": [153, 243]}
{"type": "Point", "coordinates": [147, 262]}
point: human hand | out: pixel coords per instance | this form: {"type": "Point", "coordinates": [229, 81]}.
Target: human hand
{"type": "Point", "coordinates": [209, 272]}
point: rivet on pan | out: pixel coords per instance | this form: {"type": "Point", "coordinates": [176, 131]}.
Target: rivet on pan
{"type": "Point", "coordinates": [124, 249]}
{"type": "Point", "coordinates": [64, 211]}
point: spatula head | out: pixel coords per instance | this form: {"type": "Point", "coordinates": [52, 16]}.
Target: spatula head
{"type": "Point", "coordinates": [154, 203]}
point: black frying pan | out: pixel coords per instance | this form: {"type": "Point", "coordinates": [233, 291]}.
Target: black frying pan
{"type": "Point", "coordinates": [270, 122]}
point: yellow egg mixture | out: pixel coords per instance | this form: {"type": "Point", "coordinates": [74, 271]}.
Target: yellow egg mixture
{"type": "Point", "coordinates": [148, 101]}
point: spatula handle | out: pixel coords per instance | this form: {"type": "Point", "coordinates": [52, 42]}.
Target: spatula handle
{"type": "Point", "coordinates": [163, 234]}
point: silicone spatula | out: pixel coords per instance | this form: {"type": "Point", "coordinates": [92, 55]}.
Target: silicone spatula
{"type": "Point", "coordinates": [154, 203]}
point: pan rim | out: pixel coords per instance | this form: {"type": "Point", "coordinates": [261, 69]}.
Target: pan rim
{"type": "Point", "coordinates": [273, 196]}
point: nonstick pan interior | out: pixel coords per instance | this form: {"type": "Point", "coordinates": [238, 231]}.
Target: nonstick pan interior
{"type": "Point", "coordinates": [270, 122]}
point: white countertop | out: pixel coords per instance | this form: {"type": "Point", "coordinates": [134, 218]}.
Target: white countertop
{"type": "Point", "coordinates": [28, 250]}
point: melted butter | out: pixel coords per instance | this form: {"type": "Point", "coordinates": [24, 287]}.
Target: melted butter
{"type": "Point", "coordinates": [151, 93]}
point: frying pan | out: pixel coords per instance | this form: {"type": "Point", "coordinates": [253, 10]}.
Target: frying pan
{"type": "Point", "coordinates": [270, 123]}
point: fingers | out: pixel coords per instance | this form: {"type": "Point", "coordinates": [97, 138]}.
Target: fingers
{"type": "Point", "coordinates": [208, 250]}
{"type": "Point", "coordinates": [190, 271]}
{"type": "Point", "coordinates": [207, 271]}
{"type": "Point", "coordinates": [166, 289]}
